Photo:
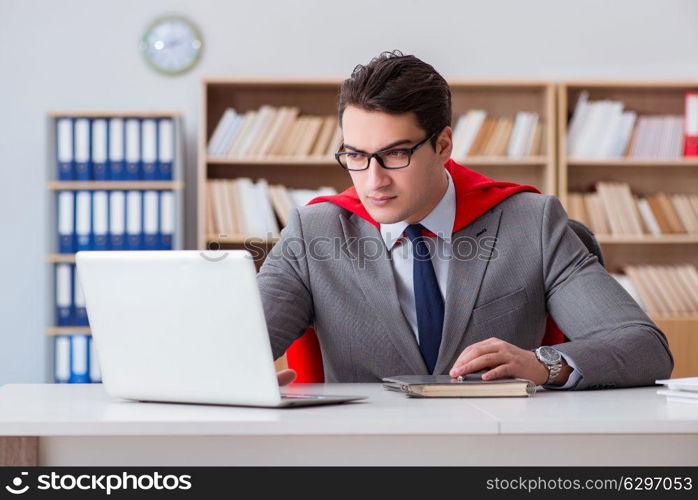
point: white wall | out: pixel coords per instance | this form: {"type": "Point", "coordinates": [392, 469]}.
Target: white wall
{"type": "Point", "coordinates": [84, 54]}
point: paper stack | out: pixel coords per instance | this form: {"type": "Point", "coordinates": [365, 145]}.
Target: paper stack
{"type": "Point", "coordinates": [680, 390]}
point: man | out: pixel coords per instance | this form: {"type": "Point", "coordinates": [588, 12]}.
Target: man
{"type": "Point", "coordinates": [425, 266]}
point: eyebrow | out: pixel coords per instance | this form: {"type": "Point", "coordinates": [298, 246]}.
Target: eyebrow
{"type": "Point", "coordinates": [392, 144]}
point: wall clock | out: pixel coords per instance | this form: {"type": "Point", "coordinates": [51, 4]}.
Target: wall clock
{"type": "Point", "coordinates": [172, 45]}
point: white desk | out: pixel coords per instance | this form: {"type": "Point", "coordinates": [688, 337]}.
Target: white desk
{"type": "Point", "coordinates": [81, 425]}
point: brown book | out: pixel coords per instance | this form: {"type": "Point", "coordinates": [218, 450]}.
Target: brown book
{"type": "Point", "coordinates": [234, 149]}
{"type": "Point", "coordinates": [683, 209]}
{"type": "Point", "coordinates": [498, 141]}
{"type": "Point", "coordinates": [612, 205]}
{"type": "Point", "coordinates": [210, 220]}
{"type": "Point", "coordinates": [657, 287]}
{"type": "Point", "coordinates": [483, 137]}
{"type": "Point", "coordinates": [671, 215]}
{"type": "Point", "coordinates": [643, 288]}
{"type": "Point", "coordinates": [336, 141]}
{"type": "Point", "coordinates": [630, 209]}
{"type": "Point", "coordinates": [272, 133]}
{"type": "Point", "coordinates": [296, 142]}
{"type": "Point", "coordinates": [327, 130]}
{"type": "Point", "coordinates": [265, 127]}
{"type": "Point", "coordinates": [236, 208]}
{"type": "Point", "coordinates": [578, 210]}
{"type": "Point", "coordinates": [278, 203]}
{"type": "Point", "coordinates": [659, 215]}
{"type": "Point", "coordinates": [290, 141]}
{"type": "Point", "coordinates": [310, 136]}
{"type": "Point", "coordinates": [680, 291]}
{"type": "Point", "coordinates": [288, 121]}
{"type": "Point", "coordinates": [598, 219]}
{"type": "Point", "coordinates": [535, 148]}
{"type": "Point", "coordinates": [468, 386]}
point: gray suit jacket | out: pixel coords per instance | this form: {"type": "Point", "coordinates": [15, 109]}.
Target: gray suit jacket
{"type": "Point", "coordinates": [512, 266]}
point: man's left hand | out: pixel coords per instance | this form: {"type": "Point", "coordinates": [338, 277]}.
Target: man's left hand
{"type": "Point", "coordinates": [504, 360]}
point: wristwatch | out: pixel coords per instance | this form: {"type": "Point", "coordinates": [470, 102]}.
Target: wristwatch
{"type": "Point", "coordinates": [551, 359]}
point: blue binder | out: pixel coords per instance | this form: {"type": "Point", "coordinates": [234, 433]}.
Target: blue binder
{"type": "Point", "coordinates": [81, 130]}
{"type": "Point", "coordinates": [117, 220]}
{"type": "Point", "coordinates": [167, 220]}
{"type": "Point", "coordinates": [79, 310]}
{"type": "Point", "coordinates": [149, 136]}
{"type": "Point", "coordinates": [100, 220]}
{"type": "Point", "coordinates": [66, 221]}
{"type": "Point", "coordinates": [116, 166]}
{"type": "Point", "coordinates": [64, 294]}
{"type": "Point", "coordinates": [61, 359]}
{"type": "Point", "coordinates": [79, 359]}
{"type": "Point", "coordinates": [151, 235]}
{"type": "Point", "coordinates": [133, 150]}
{"type": "Point", "coordinates": [83, 220]}
{"type": "Point", "coordinates": [134, 220]}
{"type": "Point", "coordinates": [100, 147]}
{"type": "Point", "coordinates": [95, 369]}
{"type": "Point", "coordinates": [165, 148]}
{"type": "Point", "coordinates": [64, 149]}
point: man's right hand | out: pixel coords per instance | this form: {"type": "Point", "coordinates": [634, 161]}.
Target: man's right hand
{"type": "Point", "coordinates": [285, 377]}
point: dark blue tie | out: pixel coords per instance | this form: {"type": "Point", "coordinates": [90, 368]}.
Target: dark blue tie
{"type": "Point", "coordinates": [427, 297]}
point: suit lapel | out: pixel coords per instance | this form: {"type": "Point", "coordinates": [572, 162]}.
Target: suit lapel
{"type": "Point", "coordinates": [377, 280]}
{"type": "Point", "coordinates": [471, 248]}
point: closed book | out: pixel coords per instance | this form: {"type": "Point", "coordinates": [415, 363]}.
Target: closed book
{"type": "Point", "coordinates": [64, 294]}
{"type": "Point", "coordinates": [100, 220]}
{"type": "Point", "coordinates": [471, 386]}
{"type": "Point", "coordinates": [79, 359]}
{"type": "Point", "coordinates": [61, 359]}
{"type": "Point", "coordinates": [83, 220]}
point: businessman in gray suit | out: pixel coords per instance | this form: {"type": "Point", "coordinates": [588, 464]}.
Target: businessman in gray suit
{"type": "Point", "coordinates": [425, 266]}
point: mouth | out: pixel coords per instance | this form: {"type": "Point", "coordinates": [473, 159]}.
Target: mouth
{"type": "Point", "coordinates": [381, 201]}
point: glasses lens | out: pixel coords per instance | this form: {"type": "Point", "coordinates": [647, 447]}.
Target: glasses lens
{"type": "Point", "coordinates": [396, 158]}
{"type": "Point", "coordinates": [353, 161]}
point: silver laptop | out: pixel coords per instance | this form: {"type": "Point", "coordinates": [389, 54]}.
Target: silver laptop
{"type": "Point", "coordinates": [183, 326]}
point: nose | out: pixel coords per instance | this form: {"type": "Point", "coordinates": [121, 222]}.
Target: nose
{"type": "Point", "coordinates": [378, 177]}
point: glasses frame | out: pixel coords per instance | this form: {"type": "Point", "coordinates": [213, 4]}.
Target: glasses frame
{"type": "Point", "coordinates": [376, 155]}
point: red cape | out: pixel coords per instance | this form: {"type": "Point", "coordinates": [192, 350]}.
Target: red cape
{"type": "Point", "coordinates": [475, 195]}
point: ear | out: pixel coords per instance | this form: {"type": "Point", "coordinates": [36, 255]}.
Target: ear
{"type": "Point", "coordinates": [444, 144]}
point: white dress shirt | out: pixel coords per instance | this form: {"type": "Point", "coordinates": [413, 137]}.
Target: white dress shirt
{"type": "Point", "coordinates": [440, 222]}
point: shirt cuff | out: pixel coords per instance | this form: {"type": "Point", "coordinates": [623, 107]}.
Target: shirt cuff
{"type": "Point", "coordinates": [572, 380]}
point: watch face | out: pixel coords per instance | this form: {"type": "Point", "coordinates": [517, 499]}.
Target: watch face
{"type": "Point", "coordinates": [172, 45]}
{"type": "Point", "coordinates": [549, 355]}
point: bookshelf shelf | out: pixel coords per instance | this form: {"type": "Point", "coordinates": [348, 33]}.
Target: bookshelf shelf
{"type": "Point", "coordinates": [68, 330]}
{"type": "Point", "coordinates": [670, 239]}
{"type": "Point", "coordinates": [238, 239]}
{"type": "Point", "coordinates": [57, 258]}
{"type": "Point", "coordinates": [114, 185]}
{"type": "Point", "coordinates": [300, 162]}
{"type": "Point", "coordinates": [632, 162]}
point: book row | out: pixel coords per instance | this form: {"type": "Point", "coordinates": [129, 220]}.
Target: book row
{"type": "Point", "coordinates": [117, 149]}
{"type": "Point", "coordinates": [614, 209]}
{"type": "Point", "coordinates": [75, 360]}
{"type": "Point", "coordinates": [476, 134]}
{"type": "Point", "coordinates": [662, 290]}
{"type": "Point", "coordinates": [115, 220]}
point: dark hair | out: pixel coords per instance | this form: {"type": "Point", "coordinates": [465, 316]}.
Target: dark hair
{"type": "Point", "coordinates": [395, 83]}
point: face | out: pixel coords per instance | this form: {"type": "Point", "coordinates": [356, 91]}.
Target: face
{"type": "Point", "coordinates": [408, 193]}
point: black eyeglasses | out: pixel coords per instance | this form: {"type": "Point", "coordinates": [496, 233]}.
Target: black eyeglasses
{"type": "Point", "coordinates": [388, 158]}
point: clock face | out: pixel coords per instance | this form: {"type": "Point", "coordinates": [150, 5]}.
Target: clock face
{"type": "Point", "coordinates": [172, 45]}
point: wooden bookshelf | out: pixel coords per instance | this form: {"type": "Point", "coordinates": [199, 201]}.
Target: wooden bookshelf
{"type": "Point", "coordinates": [645, 177]}
{"type": "Point", "coordinates": [499, 98]}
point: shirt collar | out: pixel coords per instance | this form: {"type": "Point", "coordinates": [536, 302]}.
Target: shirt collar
{"type": "Point", "coordinates": [439, 221]}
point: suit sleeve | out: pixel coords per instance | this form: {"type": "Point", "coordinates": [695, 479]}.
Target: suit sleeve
{"type": "Point", "coordinates": [284, 287]}
{"type": "Point", "coordinates": [612, 341]}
